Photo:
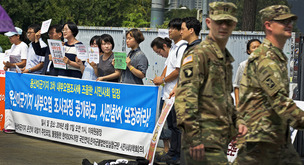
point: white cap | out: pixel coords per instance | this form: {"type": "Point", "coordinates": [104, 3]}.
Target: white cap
{"type": "Point", "coordinates": [9, 34]}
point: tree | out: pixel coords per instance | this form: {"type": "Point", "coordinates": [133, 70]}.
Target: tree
{"type": "Point", "coordinates": [249, 14]}
{"type": "Point", "coordinates": [260, 5]}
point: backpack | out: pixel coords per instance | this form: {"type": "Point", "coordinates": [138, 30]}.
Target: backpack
{"type": "Point", "coordinates": [180, 47]}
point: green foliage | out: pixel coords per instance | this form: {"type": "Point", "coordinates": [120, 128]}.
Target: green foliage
{"type": "Point", "coordinates": [176, 13]}
{"type": "Point", "coordinates": [180, 13]}
{"type": "Point", "coordinates": [4, 43]}
{"type": "Point", "coordinates": [88, 13]}
{"type": "Point", "coordinates": [138, 17]}
{"type": "Point", "coordinates": [113, 13]}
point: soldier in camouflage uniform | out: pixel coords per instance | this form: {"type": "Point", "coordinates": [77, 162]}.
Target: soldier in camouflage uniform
{"type": "Point", "coordinates": [204, 106]}
{"type": "Point", "coordinates": [264, 102]}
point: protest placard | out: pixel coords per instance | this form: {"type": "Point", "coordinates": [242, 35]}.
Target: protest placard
{"type": "Point", "coordinates": [163, 33]}
{"type": "Point", "coordinates": [120, 60]}
{"type": "Point", "coordinates": [93, 54]}
{"type": "Point", "coordinates": [81, 52]}
{"type": "Point", "coordinates": [45, 26]}
{"type": "Point", "coordinates": [168, 104]}
{"type": "Point", "coordinates": [56, 50]}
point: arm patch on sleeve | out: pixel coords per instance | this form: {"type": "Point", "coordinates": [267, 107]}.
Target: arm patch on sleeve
{"type": "Point", "coordinates": [188, 72]}
{"type": "Point", "coordinates": [269, 82]}
{"type": "Point", "coordinates": [187, 59]}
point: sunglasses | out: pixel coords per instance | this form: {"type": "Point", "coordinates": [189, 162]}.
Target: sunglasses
{"type": "Point", "coordinates": [227, 22]}
{"type": "Point", "coordinates": [285, 22]}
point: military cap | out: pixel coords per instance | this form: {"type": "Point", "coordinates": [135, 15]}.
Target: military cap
{"type": "Point", "coordinates": [222, 11]}
{"type": "Point", "coordinates": [276, 12]}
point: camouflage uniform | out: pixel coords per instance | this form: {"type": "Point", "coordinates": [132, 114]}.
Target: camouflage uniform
{"type": "Point", "coordinates": [203, 103]}
{"type": "Point", "coordinates": [265, 105]}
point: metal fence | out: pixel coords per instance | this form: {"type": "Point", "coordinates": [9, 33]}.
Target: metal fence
{"type": "Point", "coordinates": [236, 45]}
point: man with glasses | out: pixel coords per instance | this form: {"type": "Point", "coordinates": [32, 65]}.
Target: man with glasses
{"type": "Point", "coordinates": [264, 101]}
{"type": "Point", "coordinates": [169, 79]}
{"type": "Point", "coordinates": [204, 106]}
{"type": "Point", "coordinates": [34, 62]}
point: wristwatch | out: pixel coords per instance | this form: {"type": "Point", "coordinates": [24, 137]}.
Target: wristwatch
{"type": "Point", "coordinates": [164, 80]}
{"type": "Point", "coordinates": [29, 70]}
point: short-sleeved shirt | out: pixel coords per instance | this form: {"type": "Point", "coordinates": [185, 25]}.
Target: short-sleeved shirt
{"type": "Point", "coordinates": [138, 61]}
{"type": "Point", "coordinates": [239, 74]}
{"type": "Point", "coordinates": [264, 97]}
{"type": "Point", "coordinates": [33, 59]}
{"type": "Point", "coordinates": [17, 53]}
{"type": "Point", "coordinates": [173, 62]}
{"type": "Point", "coordinates": [70, 52]}
{"type": "Point", "coordinates": [105, 67]}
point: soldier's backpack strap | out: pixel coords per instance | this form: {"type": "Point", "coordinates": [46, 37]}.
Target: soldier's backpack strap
{"type": "Point", "coordinates": [180, 47]}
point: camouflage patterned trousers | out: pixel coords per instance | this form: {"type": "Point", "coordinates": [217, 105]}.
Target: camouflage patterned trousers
{"type": "Point", "coordinates": [213, 156]}
{"type": "Point", "coordinates": [263, 153]}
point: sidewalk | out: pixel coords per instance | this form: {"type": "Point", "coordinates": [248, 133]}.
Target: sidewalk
{"type": "Point", "coordinates": [18, 149]}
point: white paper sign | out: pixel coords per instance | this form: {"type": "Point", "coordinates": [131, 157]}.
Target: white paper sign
{"type": "Point", "coordinates": [93, 54]}
{"type": "Point", "coordinates": [2, 55]}
{"type": "Point", "coordinates": [45, 26]}
{"type": "Point", "coordinates": [18, 69]}
{"type": "Point", "coordinates": [7, 55]}
{"type": "Point", "coordinates": [56, 50]}
{"type": "Point", "coordinates": [163, 33]}
{"type": "Point", "coordinates": [81, 52]}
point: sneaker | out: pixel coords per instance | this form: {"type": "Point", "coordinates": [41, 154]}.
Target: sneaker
{"type": "Point", "coordinates": [8, 131]}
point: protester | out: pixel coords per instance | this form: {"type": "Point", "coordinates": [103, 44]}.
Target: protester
{"type": "Point", "coordinates": [86, 69]}
{"type": "Point", "coordinates": [18, 51]}
{"type": "Point", "coordinates": [264, 91]}
{"type": "Point", "coordinates": [137, 62]}
{"type": "Point", "coordinates": [70, 31]}
{"type": "Point", "coordinates": [54, 33]}
{"type": "Point", "coordinates": [251, 46]}
{"type": "Point", "coordinates": [17, 57]}
{"type": "Point", "coordinates": [161, 46]}
{"type": "Point", "coordinates": [190, 30]}
{"type": "Point", "coordinates": [105, 70]}
{"type": "Point", "coordinates": [34, 62]}
{"type": "Point", "coordinates": [204, 105]}
{"type": "Point", "coordinates": [170, 78]}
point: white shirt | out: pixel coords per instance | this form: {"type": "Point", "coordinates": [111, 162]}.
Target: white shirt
{"type": "Point", "coordinates": [18, 53]}
{"type": "Point", "coordinates": [172, 63]}
{"type": "Point", "coordinates": [239, 74]}
{"type": "Point", "coordinates": [33, 59]}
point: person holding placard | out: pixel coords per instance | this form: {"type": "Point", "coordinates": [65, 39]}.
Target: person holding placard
{"type": "Point", "coordinates": [137, 62]}
{"type": "Point", "coordinates": [17, 57]}
{"type": "Point", "coordinates": [18, 51]}
{"type": "Point", "coordinates": [70, 31]}
{"type": "Point", "coordinates": [48, 67]}
{"type": "Point", "coordinates": [105, 70]}
{"type": "Point", "coordinates": [34, 62]}
{"type": "Point", "coordinates": [86, 69]}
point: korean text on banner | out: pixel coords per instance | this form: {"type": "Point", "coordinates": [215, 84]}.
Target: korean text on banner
{"type": "Point", "coordinates": [107, 116]}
